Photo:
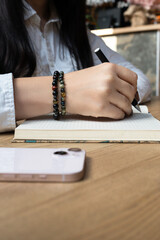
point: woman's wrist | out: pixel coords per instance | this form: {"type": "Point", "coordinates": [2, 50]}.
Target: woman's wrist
{"type": "Point", "coordinates": [33, 96]}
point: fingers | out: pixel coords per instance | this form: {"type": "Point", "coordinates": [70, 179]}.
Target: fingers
{"type": "Point", "coordinates": [113, 112]}
{"type": "Point", "coordinates": [121, 102]}
{"type": "Point", "coordinates": [126, 75]}
{"type": "Point", "coordinates": [105, 90]}
{"type": "Point", "coordinates": [126, 89]}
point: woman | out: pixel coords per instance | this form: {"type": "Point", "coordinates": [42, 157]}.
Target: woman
{"type": "Point", "coordinates": [41, 36]}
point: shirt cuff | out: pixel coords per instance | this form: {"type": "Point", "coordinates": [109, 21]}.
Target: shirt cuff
{"type": "Point", "coordinates": [7, 107]}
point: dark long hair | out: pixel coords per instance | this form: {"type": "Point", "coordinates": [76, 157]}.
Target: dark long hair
{"type": "Point", "coordinates": [16, 52]}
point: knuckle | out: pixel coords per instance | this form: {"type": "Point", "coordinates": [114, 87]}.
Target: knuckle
{"type": "Point", "coordinates": [119, 115]}
{"type": "Point", "coordinates": [110, 80]}
{"type": "Point", "coordinates": [102, 91]}
{"type": "Point", "coordinates": [108, 67]}
{"type": "Point", "coordinates": [122, 115]}
{"type": "Point", "coordinates": [104, 65]}
{"type": "Point", "coordinates": [107, 86]}
{"type": "Point", "coordinates": [108, 91]}
{"type": "Point", "coordinates": [104, 68]}
{"type": "Point", "coordinates": [135, 77]}
{"type": "Point", "coordinates": [132, 92]}
{"type": "Point", "coordinates": [125, 100]}
{"type": "Point", "coordinates": [129, 110]}
{"type": "Point", "coordinates": [112, 66]}
{"type": "Point", "coordinates": [127, 105]}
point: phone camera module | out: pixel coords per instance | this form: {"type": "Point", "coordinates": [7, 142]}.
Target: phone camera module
{"type": "Point", "coordinates": [60, 153]}
{"type": "Point", "coordinates": [74, 150]}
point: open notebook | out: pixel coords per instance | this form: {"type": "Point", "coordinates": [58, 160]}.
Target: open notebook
{"type": "Point", "coordinates": [140, 127]}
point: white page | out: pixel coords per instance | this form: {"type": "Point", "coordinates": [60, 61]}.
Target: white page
{"type": "Point", "coordinates": [138, 121]}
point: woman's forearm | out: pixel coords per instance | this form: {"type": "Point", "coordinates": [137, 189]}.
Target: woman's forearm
{"type": "Point", "coordinates": [106, 90]}
{"type": "Point", "coordinates": [33, 97]}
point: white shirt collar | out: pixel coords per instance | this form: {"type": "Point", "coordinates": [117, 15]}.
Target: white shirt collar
{"type": "Point", "coordinates": [29, 12]}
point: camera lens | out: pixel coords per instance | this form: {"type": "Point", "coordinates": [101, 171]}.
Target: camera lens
{"type": "Point", "coordinates": [60, 153]}
{"type": "Point", "coordinates": [74, 149]}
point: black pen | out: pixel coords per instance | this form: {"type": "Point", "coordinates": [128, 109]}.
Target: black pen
{"type": "Point", "coordinates": [103, 59]}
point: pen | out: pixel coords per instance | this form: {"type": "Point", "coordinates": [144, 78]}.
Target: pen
{"type": "Point", "coordinates": [103, 59]}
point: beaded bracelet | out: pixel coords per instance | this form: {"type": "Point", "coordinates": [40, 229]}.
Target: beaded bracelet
{"type": "Point", "coordinates": [63, 94]}
{"type": "Point", "coordinates": [55, 95]}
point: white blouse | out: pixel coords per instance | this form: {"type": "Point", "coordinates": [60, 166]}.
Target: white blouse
{"type": "Point", "coordinates": [51, 56]}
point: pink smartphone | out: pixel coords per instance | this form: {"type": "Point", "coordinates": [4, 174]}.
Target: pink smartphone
{"type": "Point", "coordinates": [42, 164]}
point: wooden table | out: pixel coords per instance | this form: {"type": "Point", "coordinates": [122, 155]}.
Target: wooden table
{"type": "Point", "coordinates": [119, 198]}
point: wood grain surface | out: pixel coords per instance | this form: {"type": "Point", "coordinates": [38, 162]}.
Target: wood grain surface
{"type": "Point", "coordinates": [118, 199]}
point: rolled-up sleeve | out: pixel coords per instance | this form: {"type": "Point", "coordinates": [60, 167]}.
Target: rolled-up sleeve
{"type": "Point", "coordinates": [143, 84]}
{"type": "Point", "coordinates": [7, 108]}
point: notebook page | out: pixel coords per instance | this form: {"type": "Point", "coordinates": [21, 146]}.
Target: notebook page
{"type": "Point", "coordinates": [138, 121]}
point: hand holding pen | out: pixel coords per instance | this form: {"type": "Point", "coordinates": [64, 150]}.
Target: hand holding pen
{"type": "Point", "coordinates": [104, 90]}
{"type": "Point", "coordinates": [103, 59]}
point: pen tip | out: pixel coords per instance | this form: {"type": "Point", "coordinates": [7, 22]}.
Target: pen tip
{"type": "Point", "coordinates": [138, 108]}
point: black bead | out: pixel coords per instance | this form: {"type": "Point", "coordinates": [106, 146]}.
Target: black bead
{"type": "Point", "coordinates": [54, 83]}
{"type": "Point", "coordinates": [62, 90]}
{"type": "Point", "coordinates": [55, 112]}
{"type": "Point", "coordinates": [56, 116]}
{"type": "Point", "coordinates": [56, 72]}
{"type": "Point", "coordinates": [55, 92]}
{"type": "Point", "coordinates": [55, 98]}
{"type": "Point", "coordinates": [62, 103]}
{"type": "Point", "coordinates": [55, 106]}
{"type": "Point", "coordinates": [55, 75]}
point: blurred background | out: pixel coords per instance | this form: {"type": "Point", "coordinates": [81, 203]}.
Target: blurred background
{"type": "Point", "coordinates": [120, 13]}
{"type": "Point", "coordinates": [131, 28]}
